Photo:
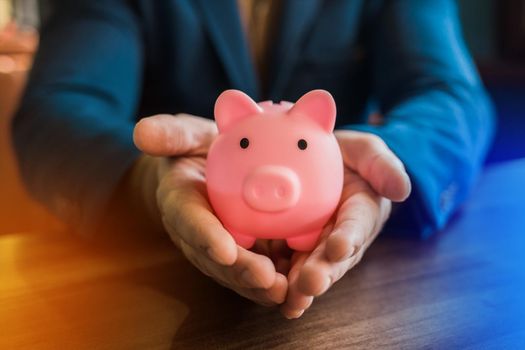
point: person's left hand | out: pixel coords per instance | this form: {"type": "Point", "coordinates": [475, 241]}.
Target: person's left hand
{"type": "Point", "coordinates": [374, 177]}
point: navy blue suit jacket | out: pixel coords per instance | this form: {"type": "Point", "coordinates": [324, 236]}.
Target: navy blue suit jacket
{"type": "Point", "coordinates": [102, 65]}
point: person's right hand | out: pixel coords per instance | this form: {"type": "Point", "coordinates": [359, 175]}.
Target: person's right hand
{"type": "Point", "coordinates": [177, 147]}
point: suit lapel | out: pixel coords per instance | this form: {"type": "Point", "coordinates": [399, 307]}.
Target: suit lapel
{"type": "Point", "coordinates": [221, 19]}
{"type": "Point", "coordinates": [296, 18]}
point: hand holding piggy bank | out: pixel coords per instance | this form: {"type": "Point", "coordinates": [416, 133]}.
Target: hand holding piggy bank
{"type": "Point", "coordinates": [275, 171]}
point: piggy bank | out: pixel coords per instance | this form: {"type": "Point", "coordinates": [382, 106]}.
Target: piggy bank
{"type": "Point", "coordinates": [275, 171]}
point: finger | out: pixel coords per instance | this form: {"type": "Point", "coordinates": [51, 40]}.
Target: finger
{"type": "Point", "coordinates": [298, 260]}
{"type": "Point", "coordinates": [257, 295]}
{"type": "Point", "coordinates": [318, 274]}
{"type": "Point", "coordinates": [357, 218]}
{"type": "Point", "coordinates": [277, 251]}
{"type": "Point", "coordinates": [187, 215]}
{"type": "Point", "coordinates": [369, 155]}
{"type": "Point", "coordinates": [313, 277]}
{"type": "Point", "coordinates": [281, 255]}
{"type": "Point", "coordinates": [172, 135]}
{"type": "Point", "coordinates": [255, 270]}
{"type": "Point", "coordinates": [277, 292]}
{"type": "Point", "coordinates": [272, 296]}
{"type": "Point", "coordinates": [359, 212]}
{"type": "Point", "coordinates": [250, 270]}
{"type": "Point", "coordinates": [296, 302]}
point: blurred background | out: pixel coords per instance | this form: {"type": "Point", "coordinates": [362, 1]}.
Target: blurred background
{"type": "Point", "coordinates": [494, 31]}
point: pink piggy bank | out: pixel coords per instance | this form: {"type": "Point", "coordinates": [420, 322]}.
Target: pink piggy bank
{"type": "Point", "coordinates": [275, 171]}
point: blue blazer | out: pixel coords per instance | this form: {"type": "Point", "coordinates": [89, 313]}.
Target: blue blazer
{"type": "Point", "coordinates": [102, 65]}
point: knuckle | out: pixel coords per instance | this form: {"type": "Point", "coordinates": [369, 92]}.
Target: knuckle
{"type": "Point", "coordinates": [373, 146]}
{"type": "Point", "coordinates": [179, 137]}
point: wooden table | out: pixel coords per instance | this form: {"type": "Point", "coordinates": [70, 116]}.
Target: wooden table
{"type": "Point", "coordinates": [464, 288]}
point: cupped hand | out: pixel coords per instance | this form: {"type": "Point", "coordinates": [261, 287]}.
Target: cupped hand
{"type": "Point", "coordinates": [374, 177]}
{"type": "Point", "coordinates": [180, 144]}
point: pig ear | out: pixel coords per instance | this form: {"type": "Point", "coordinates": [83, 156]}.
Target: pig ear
{"type": "Point", "coordinates": [231, 107]}
{"type": "Point", "coordinates": [319, 106]}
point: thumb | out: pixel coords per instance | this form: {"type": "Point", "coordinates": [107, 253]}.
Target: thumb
{"type": "Point", "coordinates": [371, 158]}
{"type": "Point", "coordinates": [173, 135]}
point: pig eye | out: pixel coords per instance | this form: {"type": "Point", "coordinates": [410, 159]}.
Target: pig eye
{"type": "Point", "coordinates": [244, 142]}
{"type": "Point", "coordinates": [302, 144]}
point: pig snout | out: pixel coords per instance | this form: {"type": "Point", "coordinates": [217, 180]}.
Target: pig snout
{"type": "Point", "coordinates": [272, 188]}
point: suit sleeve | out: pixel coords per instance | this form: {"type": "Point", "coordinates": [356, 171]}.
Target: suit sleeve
{"type": "Point", "coordinates": [73, 130]}
{"type": "Point", "coordinates": [438, 118]}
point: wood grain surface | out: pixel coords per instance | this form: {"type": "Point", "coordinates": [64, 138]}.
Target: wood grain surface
{"type": "Point", "coordinates": [463, 288]}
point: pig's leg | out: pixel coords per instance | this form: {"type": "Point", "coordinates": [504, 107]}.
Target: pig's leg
{"type": "Point", "coordinates": [243, 240]}
{"type": "Point", "coordinates": [304, 243]}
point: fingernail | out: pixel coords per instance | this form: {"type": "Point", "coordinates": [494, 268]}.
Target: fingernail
{"type": "Point", "coordinates": [295, 314]}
